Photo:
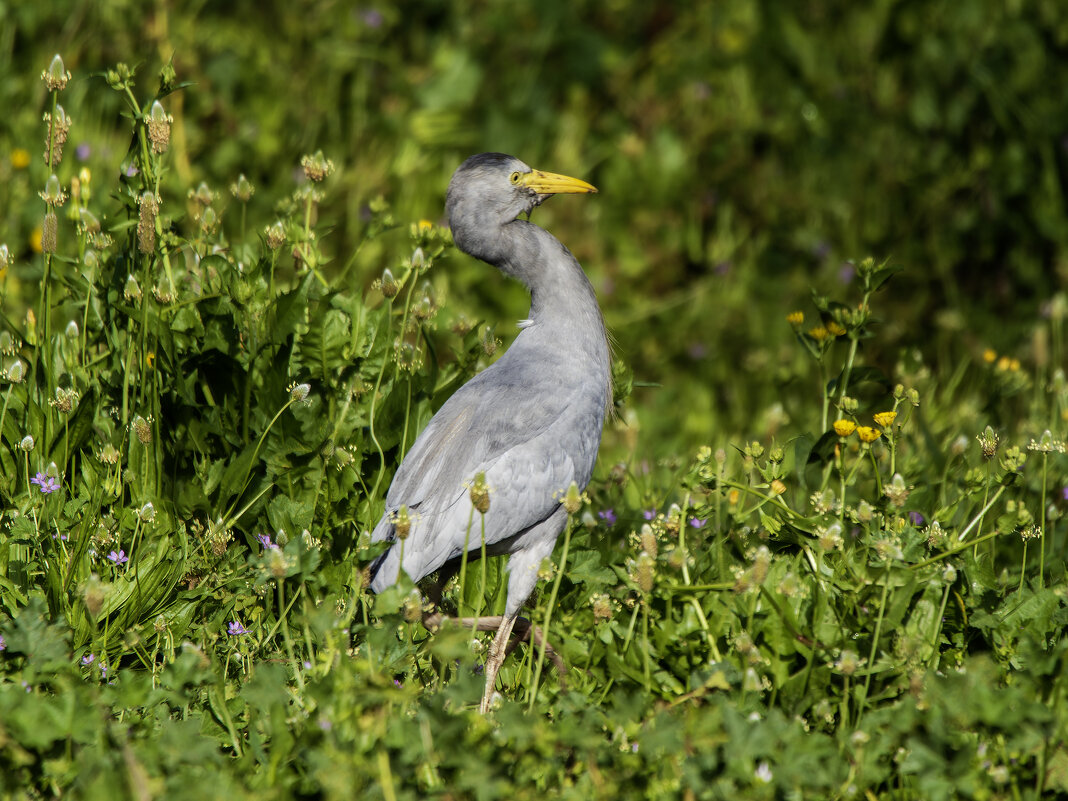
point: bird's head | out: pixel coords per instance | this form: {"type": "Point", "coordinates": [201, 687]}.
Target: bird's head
{"type": "Point", "coordinates": [491, 189]}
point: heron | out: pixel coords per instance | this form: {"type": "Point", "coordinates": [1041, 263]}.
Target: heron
{"type": "Point", "coordinates": [530, 423]}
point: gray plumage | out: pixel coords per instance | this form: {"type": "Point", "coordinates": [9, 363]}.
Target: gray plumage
{"type": "Point", "coordinates": [531, 421]}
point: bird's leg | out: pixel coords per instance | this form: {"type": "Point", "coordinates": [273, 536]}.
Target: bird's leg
{"type": "Point", "coordinates": [525, 631]}
{"type": "Point", "coordinates": [496, 657]}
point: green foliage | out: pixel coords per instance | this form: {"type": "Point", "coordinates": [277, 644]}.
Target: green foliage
{"type": "Point", "coordinates": [828, 567]}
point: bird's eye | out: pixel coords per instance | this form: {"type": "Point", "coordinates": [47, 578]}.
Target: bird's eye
{"type": "Point", "coordinates": [514, 177]}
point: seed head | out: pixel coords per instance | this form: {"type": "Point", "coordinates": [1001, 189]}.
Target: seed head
{"type": "Point", "coordinates": [761, 563]}
{"type": "Point", "coordinates": [480, 493]}
{"type": "Point", "coordinates": [109, 454]}
{"type": "Point", "coordinates": [65, 400]}
{"type": "Point", "coordinates": [317, 167]}
{"type": "Point", "coordinates": [830, 538]}
{"type": "Point", "coordinates": [572, 499]}
{"type": "Point", "coordinates": [896, 491]}
{"type": "Point", "coordinates": [847, 663]}
{"type": "Point", "coordinates": [159, 128]}
{"type": "Point", "coordinates": [142, 429]}
{"type": "Point", "coordinates": [15, 372]}
{"type": "Point", "coordinates": [202, 196]}
{"type": "Point", "coordinates": [146, 223]}
{"type": "Point", "coordinates": [132, 291]}
{"type": "Point", "coordinates": [402, 523]}
{"type": "Point", "coordinates": [88, 222]}
{"type": "Point", "coordinates": [1046, 444]}
{"type": "Point", "coordinates": [147, 513]}
{"type": "Point", "coordinates": [988, 442]}
{"type": "Point", "coordinates": [602, 607]}
{"type": "Point", "coordinates": [26, 445]}
{"type": "Point", "coordinates": [490, 344]}
{"type": "Point", "coordinates": [56, 76]}
{"type": "Point", "coordinates": [275, 235]}
{"type": "Point", "coordinates": [49, 232]}
{"type": "Point", "coordinates": [648, 540]}
{"type": "Point", "coordinates": [242, 189]}
{"type": "Point", "coordinates": [58, 130]}
{"type": "Point", "coordinates": [643, 572]}
{"type": "Point", "coordinates": [209, 220]}
{"type": "Point", "coordinates": [413, 607]}
{"type": "Point", "coordinates": [389, 284]}
{"type": "Point", "coordinates": [299, 392]}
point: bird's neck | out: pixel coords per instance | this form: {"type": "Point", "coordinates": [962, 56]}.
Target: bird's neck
{"type": "Point", "coordinates": [562, 299]}
{"type": "Point", "coordinates": [563, 305]}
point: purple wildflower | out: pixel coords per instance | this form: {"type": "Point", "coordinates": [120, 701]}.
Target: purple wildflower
{"type": "Point", "coordinates": [3, 644]}
{"type": "Point", "coordinates": [118, 557]}
{"type": "Point", "coordinates": [634, 748]}
{"type": "Point", "coordinates": [1064, 493]}
{"type": "Point", "coordinates": [47, 484]}
{"type": "Point", "coordinates": [608, 516]}
{"type": "Point", "coordinates": [916, 518]}
{"type": "Point", "coordinates": [265, 541]}
{"type": "Point", "coordinates": [103, 668]}
{"type": "Point", "coordinates": [649, 514]}
{"type": "Point", "coordinates": [235, 628]}
{"type": "Point", "coordinates": [88, 659]}
{"type": "Point", "coordinates": [697, 522]}
{"type": "Point", "coordinates": [846, 272]}
{"type": "Point", "coordinates": [83, 151]}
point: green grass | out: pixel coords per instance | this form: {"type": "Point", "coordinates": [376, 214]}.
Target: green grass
{"type": "Point", "coordinates": [859, 594]}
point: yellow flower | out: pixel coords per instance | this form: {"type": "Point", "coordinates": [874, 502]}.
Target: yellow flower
{"type": "Point", "coordinates": [150, 359]}
{"type": "Point", "coordinates": [795, 318]}
{"type": "Point", "coordinates": [885, 419]}
{"type": "Point", "coordinates": [777, 487]}
{"type": "Point", "coordinates": [990, 355]}
{"type": "Point", "coordinates": [868, 434]}
{"type": "Point", "coordinates": [35, 240]}
{"type": "Point", "coordinates": [1014, 365]}
{"type": "Point", "coordinates": [425, 225]}
{"type": "Point", "coordinates": [835, 329]}
{"type": "Point", "coordinates": [733, 496]}
{"type": "Point", "coordinates": [844, 428]}
{"type": "Point", "coordinates": [1004, 363]}
{"type": "Point", "coordinates": [20, 158]}
{"type": "Point", "coordinates": [819, 333]}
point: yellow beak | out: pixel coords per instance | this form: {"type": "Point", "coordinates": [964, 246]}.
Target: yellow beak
{"type": "Point", "coordinates": [549, 183]}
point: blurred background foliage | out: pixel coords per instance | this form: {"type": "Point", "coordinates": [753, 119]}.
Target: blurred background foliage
{"type": "Point", "coordinates": [744, 150]}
